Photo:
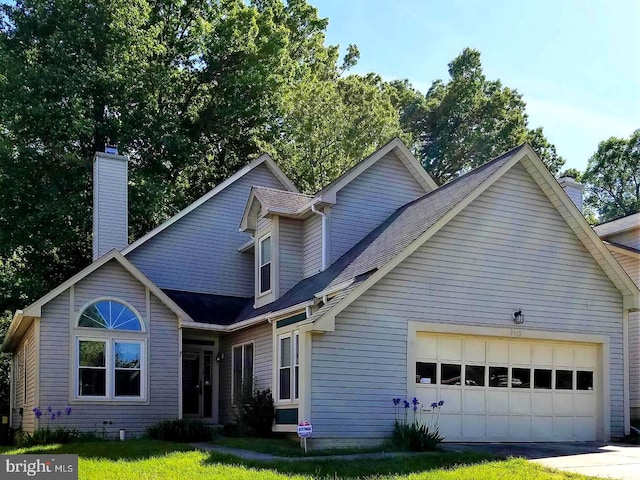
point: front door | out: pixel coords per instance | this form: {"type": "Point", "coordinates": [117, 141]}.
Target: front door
{"type": "Point", "coordinates": [197, 383]}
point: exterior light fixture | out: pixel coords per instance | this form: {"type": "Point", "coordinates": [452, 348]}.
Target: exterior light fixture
{"type": "Point", "coordinates": [518, 317]}
{"type": "Point", "coordinates": [219, 357]}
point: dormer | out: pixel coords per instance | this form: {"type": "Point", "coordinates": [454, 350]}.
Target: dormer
{"type": "Point", "coordinates": [275, 219]}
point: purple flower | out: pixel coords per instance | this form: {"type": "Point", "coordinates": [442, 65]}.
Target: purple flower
{"type": "Point", "coordinates": [49, 409]}
{"type": "Point", "coordinates": [440, 403]}
{"type": "Point", "coordinates": [53, 416]}
{"type": "Point", "coordinates": [406, 404]}
{"type": "Point", "coordinates": [58, 413]}
{"type": "Point", "coordinates": [396, 401]}
{"type": "Point", "coordinates": [37, 412]}
{"type": "Point", "coordinates": [415, 401]}
{"type": "Point", "coordinates": [67, 410]}
{"type": "Point", "coordinates": [434, 405]}
{"type": "Point", "coordinates": [415, 407]}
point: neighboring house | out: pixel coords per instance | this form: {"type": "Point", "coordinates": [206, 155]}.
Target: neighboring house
{"type": "Point", "coordinates": [622, 238]}
{"type": "Point", "coordinates": [491, 293]}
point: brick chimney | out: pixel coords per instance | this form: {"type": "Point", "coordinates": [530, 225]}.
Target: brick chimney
{"type": "Point", "coordinates": [110, 203]}
{"type": "Point", "coordinates": [573, 189]}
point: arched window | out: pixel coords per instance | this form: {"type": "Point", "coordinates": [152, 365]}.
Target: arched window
{"type": "Point", "coordinates": [110, 315]}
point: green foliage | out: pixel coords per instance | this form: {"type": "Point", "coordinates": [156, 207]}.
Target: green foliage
{"type": "Point", "coordinates": [612, 178]}
{"type": "Point", "coordinates": [464, 123]}
{"type": "Point", "coordinates": [255, 413]}
{"type": "Point", "coordinates": [49, 435]}
{"type": "Point", "coordinates": [415, 436]}
{"type": "Point", "coordinates": [180, 431]}
{"type": "Point", "coordinates": [5, 366]}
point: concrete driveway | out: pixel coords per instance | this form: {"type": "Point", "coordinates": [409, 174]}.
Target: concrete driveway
{"type": "Point", "coordinates": [588, 458]}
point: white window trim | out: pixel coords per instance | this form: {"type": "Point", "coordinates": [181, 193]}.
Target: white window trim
{"type": "Point", "coordinates": [110, 341]}
{"type": "Point", "coordinates": [260, 265]}
{"type": "Point", "coordinates": [143, 325]}
{"type": "Point", "coordinates": [293, 399]}
{"type": "Point", "coordinates": [253, 365]}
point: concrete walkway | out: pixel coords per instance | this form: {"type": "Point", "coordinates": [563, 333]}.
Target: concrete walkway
{"type": "Point", "coordinates": [616, 461]}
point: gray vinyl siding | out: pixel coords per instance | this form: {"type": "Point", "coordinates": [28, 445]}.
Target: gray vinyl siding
{"type": "Point", "coordinates": [57, 367]}
{"type": "Point", "coordinates": [291, 258]}
{"type": "Point", "coordinates": [312, 246]}
{"type": "Point", "coordinates": [27, 422]}
{"type": "Point", "coordinates": [199, 252]}
{"type": "Point", "coordinates": [261, 336]}
{"type": "Point", "coordinates": [508, 249]}
{"type": "Point", "coordinates": [630, 238]}
{"type": "Point", "coordinates": [368, 200]}
{"type": "Point", "coordinates": [110, 213]}
{"type": "Point", "coordinates": [634, 364]}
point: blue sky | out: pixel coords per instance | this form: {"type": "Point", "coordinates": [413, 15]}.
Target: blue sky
{"type": "Point", "coordinates": [577, 63]}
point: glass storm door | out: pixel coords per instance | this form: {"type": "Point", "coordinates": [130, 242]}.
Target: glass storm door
{"type": "Point", "coordinates": [191, 384]}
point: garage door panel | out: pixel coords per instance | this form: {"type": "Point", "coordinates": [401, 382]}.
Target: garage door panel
{"type": "Point", "coordinates": [520, 403]}
{"type": "Point", "coordinates": [504, 389]}
{"type": "Point", "coordinates": [498, 352]}
{"type": "Point", "coordinates": [520, 354]}
{"type": "Point", "coordinates": [542, 403]}
{"type": "Point", "coordinates": [497, 401]}
{"type": "Point", "coordinates": [563, 404]}
{"type": "Point", "coordinates": [474, 401]}
{"type": "Point", "coordinates": [497, 426]}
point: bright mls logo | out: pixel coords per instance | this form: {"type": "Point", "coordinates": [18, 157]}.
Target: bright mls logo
{"type": "Point", "coordinates": [53, 467]}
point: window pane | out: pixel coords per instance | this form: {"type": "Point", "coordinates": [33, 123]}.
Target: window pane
{"type": "Point", "coordinates": [521, 377]}
{"type": "Point", "coordinates": [127, 383]}
{"type": "Point", "coordinates": [92, 382]}
{"type": "Point", "coordinates": [237, 373]}
{"type": "Point", "coordinates": [297, 375]}
{"type": "Point", "coordinates": [111, 315]}
{"type": "Point", "coordinates": [425, 372]}
{"type": "Point", "coordinates": [285, 383]}
{"type": "Point", "coordinates": [296, 348]}
{"type": "Point", "coordinates": [247, 374]}
{"type": "Point", "coordinates": [584, 380]}
{"type": "Point", "coordinates": [474, 375]}
{"type": "Point", "coordinates": [127, 355]}
{"type": "Point", "coordinates": [265, 278]}
{"type": "Point", "coordinates": [285, 352]}
{"type": "Point", "coordinates": [498, 376]}
{"type": "Point", "coordinates": [91, 353]}
{"type": "Point", "coordinates": [450, 374]}
{"type": "Point", "coordinates": [564, 379]}
{"type": "Point", "coordinates": [542, 379]}
{"type": "Point", "coordinates": [265, 253]}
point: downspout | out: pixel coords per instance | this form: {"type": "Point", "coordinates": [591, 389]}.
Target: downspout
{"type": "Point", "coordinates": [324, 236]}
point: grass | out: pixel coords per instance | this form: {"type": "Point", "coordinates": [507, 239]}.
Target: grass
{"type": "Point", "coordinates": [288, 447]}
{"type": "Point", "coordinates": [148, 459]}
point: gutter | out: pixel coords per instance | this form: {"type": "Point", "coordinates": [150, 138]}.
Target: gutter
{"type": "Point", "coordinates": [15, 323]}
{"type": "Point", "coordinates": [324, 236]}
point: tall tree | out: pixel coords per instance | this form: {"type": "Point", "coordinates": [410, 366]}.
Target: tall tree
{"type": "Point", "coordinates": [612, 178]}
{"type": "Point", "coordinates": [465, 122]}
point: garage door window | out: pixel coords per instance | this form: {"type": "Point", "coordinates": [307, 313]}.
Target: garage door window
{"type": "Point", "coordinates": [521, 378]}
{"type": "Point", "coordinates": [564, 380]}
{"type": "Point", "coordinates": [584, 380]}
{"type": "Point", "coordinates": [450, 374]}
{"type": "Point", "coordinates": [542, 379]}
{"type": "Point", "coordinates": [425, 372]}
{"type": "Point", "coordinates": [474, 375]}
{"type": "Point", "coordinates": [498, 376]}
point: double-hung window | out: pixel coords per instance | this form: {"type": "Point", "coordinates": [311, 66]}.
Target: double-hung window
{"type": "Point", "coordinates": [110, 353]}
{"type": "Point", "coordinates": [264, 265]}
{"type": "Point", "coordinates": [242, 368]}
{"type": "Point", "coordinates": [288, 366]}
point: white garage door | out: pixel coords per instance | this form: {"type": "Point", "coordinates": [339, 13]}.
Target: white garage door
{"type": "Point", "coordinates": [509, 390]}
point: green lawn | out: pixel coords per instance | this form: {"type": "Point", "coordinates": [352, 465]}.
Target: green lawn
{"type": "Point", "coordinates": [145, 460]}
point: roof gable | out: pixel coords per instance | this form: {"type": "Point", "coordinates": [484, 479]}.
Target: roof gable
{"type": "Point", "coordinates": [272, 201]}
{"type": "Point", "coordinates": [263, 159]}
{"type": "Point", "coordinates": [328, 193]}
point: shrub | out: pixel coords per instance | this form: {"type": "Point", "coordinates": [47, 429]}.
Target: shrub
{"type": "Point", "coordinates": [46, 436]}
{"type": "Point", "coordinates": [256, 412]}
{"type": "Point", "coordinates": [180, 431]}
{"type": "Point", "coordinates": [416, 436]}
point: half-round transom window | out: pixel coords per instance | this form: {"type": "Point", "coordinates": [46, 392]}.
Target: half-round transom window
{"type": "Point", "coordinates": [110, 315]}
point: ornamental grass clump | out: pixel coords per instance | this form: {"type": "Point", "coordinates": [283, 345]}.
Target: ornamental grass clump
{"type": "Point", "coordinates": [420, 434]}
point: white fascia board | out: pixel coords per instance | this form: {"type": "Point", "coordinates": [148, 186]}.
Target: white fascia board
{"type": "Point", "coordinates": [16, 322]}
{"type": "Point", "coordinates": [266, 159]}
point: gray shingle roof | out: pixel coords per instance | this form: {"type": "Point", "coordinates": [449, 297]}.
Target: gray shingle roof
{"type": "Point", "coordinates": [280, 200]}
{"type": "Point", "coordinates": [389, 239]}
